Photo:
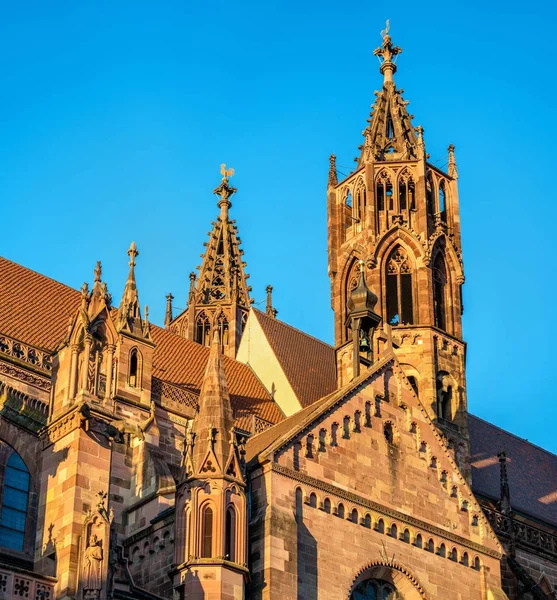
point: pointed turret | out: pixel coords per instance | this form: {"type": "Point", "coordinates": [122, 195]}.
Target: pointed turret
{"type": "Point", "coordinates": [129, 313]}
{"type": "Point", "coordinates": [168, 314]}
{"type": "Point", "coordinates": [270, 310]}
{"type": "Point", "coordinates": [221, 288]}
{"type": "Point", "coordinates": [213, 426]}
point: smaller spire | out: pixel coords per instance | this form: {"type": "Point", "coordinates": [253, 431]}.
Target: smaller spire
{"type": "Point", "coordinates": [191, 294]}
{"type": "Point", "coordinates": [225, 192]}
{"type": "Point", "coordinates": [505, 494]}
{"type": "Point", "coordinates": [386, 52]}
{"type": "Point", "coordinates": [99, 295]}
{"type": "Point", "coordinates": [168, 314]}
{"type": "Point", "coordinates": [214, 423]}
{"type": "Point", "coordinates": [333, 179]}
{"type": "Point", "coordinates": [453, 172]}
{"type": "Point", "coordinates": [421, 144]}
{"type": "Point", "coordinates": [129, 314]}
{"type": "Point", "coordinates": [270, 310]}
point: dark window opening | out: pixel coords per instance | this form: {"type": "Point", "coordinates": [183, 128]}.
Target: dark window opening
{"type": "Point", "coordinates": [390, 197]}
{"type": "Point", "coordinates": [400, 309]}
{"type": "Point", "coordinates": [203, 330]}
{"type": "Point", "coordinates": [390, 128]}
{"type": "Point", "coordinates": [402, 199]}
{"type": "Point", "coordinates": [220, 247]}
{"type": "Point", "coordinates": [394, 531]}
{"type": "Point", "coordinates": [442, 200]}
{"type": "Point", "coordinates": [230, 534]}
{"type": "Point", "coordinates": [134, 366]}
{"type": "Point", "coordinates": [439, 291]}
{"type": "Point", "coordinates": [375, 589]}
{"type": "Point", "coordinates": [389, 435]}
{"type": "Point", "coordinates": [380, 197]}
{"type": "Point", "coordinates": [348, 200]}
{"type": "Point", "coordinates": [15, 498]}
{"type": "Point", "coordinates": [207, 533]}
{"type": "Point", "coordinates": [430, 196]}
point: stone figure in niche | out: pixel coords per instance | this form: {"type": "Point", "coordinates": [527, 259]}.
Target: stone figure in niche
{"type": "Point", "coordinates": [92, 562]}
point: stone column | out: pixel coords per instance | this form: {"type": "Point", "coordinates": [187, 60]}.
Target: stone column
{"type": "Point", "coordinates": [72, 387]}
{"type": "Point", "coordinates": [86, 355]}
{"type": "Point", "coordinates": [109, 369]}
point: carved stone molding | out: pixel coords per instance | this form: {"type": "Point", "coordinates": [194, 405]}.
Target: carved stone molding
{"type": "Point", "coordinates": [23, 352]}
{"type": "Point", "coordinates": [382, 510]}
{"type": "Point", "coordinates": [22, 375]}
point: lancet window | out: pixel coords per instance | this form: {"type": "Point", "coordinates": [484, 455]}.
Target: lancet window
{"type": "Point", "coordinates": [384, 192]}
{"type": "Point", "coordinates": [203, 330]}
{"type": "Point", "coordinates": [135, 368]}
{"type": "Point", "coordinates": [223, 329]}
{"type": "Point", "coordinates": [207, 532]}
{"type": "Point", "coordinates": [230, 534]}
{"type": "Point", "coordinates": [406, 192]}
{"type": "Point", "coordinates": [430, 195]}
{"type": "Point", "coordinates": [440, 291]}
{"type": "Point", "coordinates": [442, 201]}
{"type": "Point", "coordinates": [375, 589]}
{"type": "Point", "coordinates": [399, 291]}
{"type": "Point", "coordinates": [15, 500]}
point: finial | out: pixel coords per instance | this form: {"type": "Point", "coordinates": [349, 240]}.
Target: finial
{"type": "Point", "coordinates": [420, 143]}
{"type": "Point", "coordinates": [225, 192]}
{"type": "Point", "coordinates": [386, 52]}
{"type": "Point", "coordinates": [192, 288]}
{"type": "Point", "coordinates": [133, 254]}
{"type": "Point", "coordinates": [333, 180]}
{"type": "Point", "coordinates": [505, 494]}
{"type": "Point", "coordinates": [98, 272]}
{"type": "Point", "coordinates": [168, 315]}
{"type": "Point", "coordinates": [270, 310]}
{"type": "Point", "coordinates": [453, 172]}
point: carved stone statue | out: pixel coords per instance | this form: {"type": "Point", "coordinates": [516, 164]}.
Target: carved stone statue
{"type": "Point", "coordinates": [92, 573]}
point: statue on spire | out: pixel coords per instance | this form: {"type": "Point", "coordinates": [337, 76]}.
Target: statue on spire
{"type": "Point", "coordinates": [225, 191]}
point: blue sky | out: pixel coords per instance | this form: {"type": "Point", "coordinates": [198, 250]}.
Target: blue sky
{"type": "Point", "coordinates": [115, 117]}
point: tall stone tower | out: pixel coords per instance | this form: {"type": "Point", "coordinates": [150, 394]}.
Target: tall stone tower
{"type": "Point", "coordinates": [211, 505]}
{"type": "Point", "coordinates": [219, 297]}
{"type": "Point", "coordinates": [400, 215]}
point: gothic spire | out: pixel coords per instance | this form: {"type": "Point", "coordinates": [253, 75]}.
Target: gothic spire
{"type": "Point", "coordinates": [99, 296]}
{"type": "Point", "coordinates": [168, 314]}
{"type": "Point", "coordinates": [214, 423]}
{"type": "Point", "coordinates": [270, 310]}
{"type": "Point", "coordinates": [389, 135]}
{"type": "Point", "coordinates": [129, 313]}
{"type": "Point", "coordinates": [221, 275]}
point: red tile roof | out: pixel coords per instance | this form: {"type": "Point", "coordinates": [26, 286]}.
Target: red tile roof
{"type": "Point", "coordinates": [308, 363]}
{"type": "Point", "coordinates": [35, 310]}
{"type": "Point", "coordinates": [532, 470]}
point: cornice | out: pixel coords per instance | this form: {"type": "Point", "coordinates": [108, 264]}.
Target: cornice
{"type": "Point", "coordinates": [22, 374]}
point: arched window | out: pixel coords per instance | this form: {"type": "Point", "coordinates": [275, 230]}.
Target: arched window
{"type": "Point", "coordinates": [442, 201]}
{"type": "Point", "coordinates": [419, 541]}
{"type": "Point", "coordinates": [394, 531]}
{"type": "Point", "coordinates": [207, 532]}
{"type": "Point", "coordinates": [430, 546]}
{"type": "Point", "coordinates": [439, 291]}
{"type": "Point", "coordinates": [406, 192]}
{"type": "Point", "coordinates": [380, 526]}
{"type": "Point", "coordinates": [442, 551]}
{"type": "Point", "coordinates": [444, 396]}
{"type": "Point", "coordinates": [135, 369]}
{"type": "Point", "coordinates": [327, 505]}
{"type": "Point", "coordinates": [340, 511]}
{"type": "Point", "coordinates": [388, 432]}
{"type": "Point", "coordinates": [384, 192]}
{"type": "Point", "coordinates": [348, 199]}
{"type": "Point", "coordinates": [203, 330]}
{"type": "Point", "coordinates": [230, 534]}
{"type": "Point", "coordinates": [430, 195]}
{"type": "Point", "coordinates": [15, 499]}
{"type": "Point", "coordinates": [375, 589]}
{"type": "Point", "coordinates": [223, 330]}
{"type": "Point", "coordinates": [399, 288]}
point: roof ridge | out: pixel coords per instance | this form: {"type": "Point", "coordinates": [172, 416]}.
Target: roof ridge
{"type": "Point", "coordinates": [514, 435]}
{"type": "Point", "coordinates": [69, 287]}
{"type": "Point", "coordinates": [256, 310]}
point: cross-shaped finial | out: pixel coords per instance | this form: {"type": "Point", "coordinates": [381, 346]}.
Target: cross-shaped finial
{"type": "Point", "coordinates": [98, 271]}
{"type": "Point", "coordinates": [133, 254]}
{"type": "Point", "coordinates": [386, 52]}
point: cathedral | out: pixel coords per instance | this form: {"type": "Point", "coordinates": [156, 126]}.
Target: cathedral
{"type": "Point", "coordinates": [227, 455]}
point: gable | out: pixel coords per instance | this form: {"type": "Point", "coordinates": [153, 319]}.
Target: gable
{"type": "Point", "coordinates": [256, 351]}
{"type": "Point", "coordinates": [307, 363]}
{"type": "Point", "coordinates": [374, 445]}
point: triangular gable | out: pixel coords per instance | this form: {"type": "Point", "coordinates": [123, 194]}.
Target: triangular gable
{"type": "Point", "coordinates": [374, 440]}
